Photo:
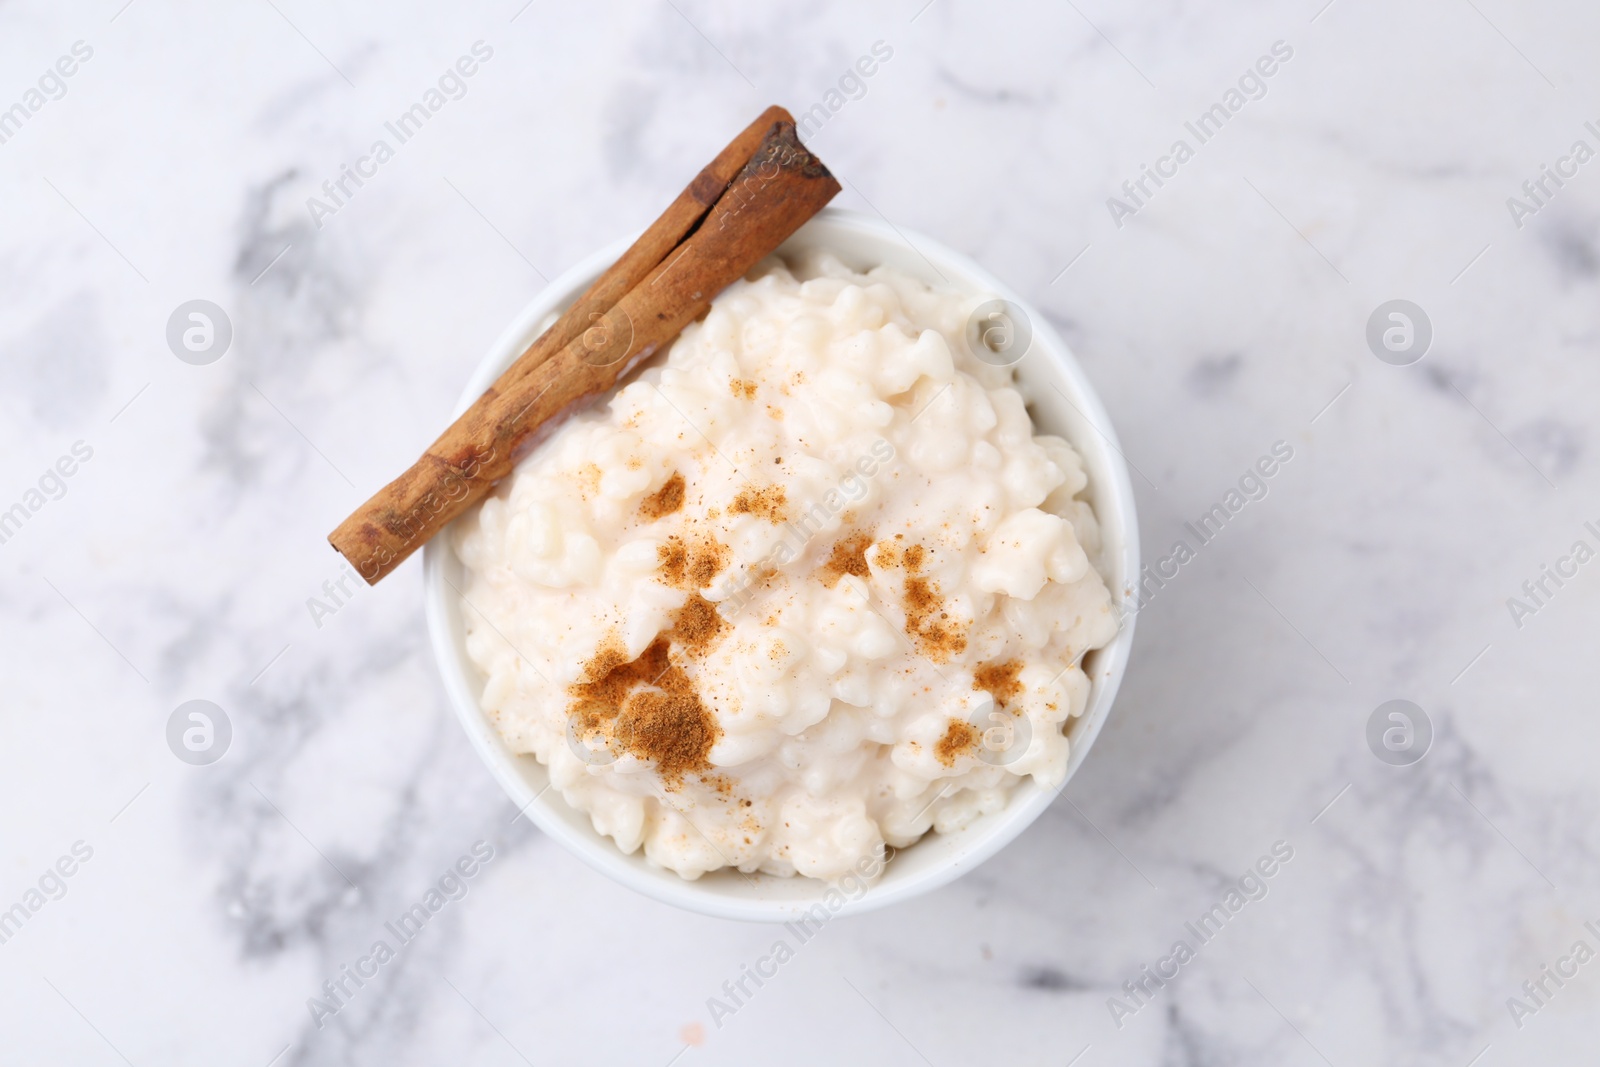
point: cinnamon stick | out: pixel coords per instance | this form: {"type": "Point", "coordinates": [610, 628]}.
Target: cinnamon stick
{"type": "Point", "coordinates": [645, 254]}
{"type": "Point", "coordinates": [778, 189]}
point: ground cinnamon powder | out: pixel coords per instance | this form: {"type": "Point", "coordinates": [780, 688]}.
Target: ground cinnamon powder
{"type": "Point", "coordinates": [888, 554]}
{"type": "Point", "coordinates": [697, 625]}
{"type": "Point", "coordinates": [669, 727]}
{"type": "Point", "coordinates": [648, 707]}
{"type": "Point", "coordinates": [664, 501]}
{"type": "Point", "coordinates": [706, 561]}
{"type": "Point", "coordinates": [999, 680]}
{"type": "Point", "coordinates": [692, 564]}
{"type": "Point", "coordinates": [959, 738]}
{"type": "Point", "coordinates": [849, 556]}
{"type": "Point", "coordinates": [673, 556]}
{"type": "Point", "coordinates": [769, 502]}
{"type": "Point", "coordinates": [937, 635]}
{"type": "Point", "coordinates": [612, 676]}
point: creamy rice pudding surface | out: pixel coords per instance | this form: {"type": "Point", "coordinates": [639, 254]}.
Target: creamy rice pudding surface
{"type": "Point", "coordinates": [807, 586]}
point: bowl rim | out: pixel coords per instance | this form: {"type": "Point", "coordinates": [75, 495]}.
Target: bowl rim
{"type": "Point", "coordinates": [1028, 799]}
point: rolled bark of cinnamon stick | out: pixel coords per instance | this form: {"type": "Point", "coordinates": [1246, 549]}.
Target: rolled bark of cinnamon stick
{"type": "Point", "coordinates": [646, 253]}
{"type": "Point", "coordinates": [780, 187]}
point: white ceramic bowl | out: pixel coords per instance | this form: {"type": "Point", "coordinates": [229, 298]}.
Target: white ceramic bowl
{"type": "Point", "coordinates": [862, 241]}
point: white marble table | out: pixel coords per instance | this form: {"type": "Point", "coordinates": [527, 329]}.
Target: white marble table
{"type": "Point", "coordinates": [1227, 312]}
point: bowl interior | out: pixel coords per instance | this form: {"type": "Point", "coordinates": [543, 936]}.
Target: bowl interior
{"type": "Point", "coordinates": [1062, 402]}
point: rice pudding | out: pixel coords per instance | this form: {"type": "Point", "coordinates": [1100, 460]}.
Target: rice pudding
{"type": "Point", "coordinates": [806, 586]}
